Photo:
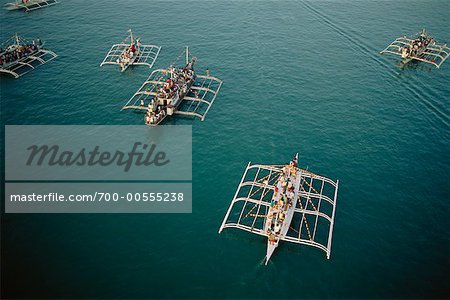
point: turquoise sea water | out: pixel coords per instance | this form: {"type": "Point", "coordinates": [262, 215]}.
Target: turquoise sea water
{"type": "Point", "coordinates": [299, 76]}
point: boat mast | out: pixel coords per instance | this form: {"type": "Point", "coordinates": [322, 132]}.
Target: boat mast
{"type": "Point", "coordinates": [17, 39]}
{"type": "Point", "coordinates": [187, 54]}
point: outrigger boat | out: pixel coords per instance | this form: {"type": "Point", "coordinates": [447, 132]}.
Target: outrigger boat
{"type": "Point", "coordinates": [19, 56]}
{"type": "Point", "coordinates": [421, 48]}
{"type": "Point", "coordinates": [284, 203]}
{"type": "Point", "coordinates": [175, 91]}
{"type": "Point", "coordinates": [131, 52]}
{"type": "Point", "coordinates": [29, 5]}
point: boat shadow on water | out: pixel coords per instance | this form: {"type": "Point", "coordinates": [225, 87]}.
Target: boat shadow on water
{"type": "Point", "coordinates": [242, 238]}
{"type": "Point", "coordinates": [414, 65]}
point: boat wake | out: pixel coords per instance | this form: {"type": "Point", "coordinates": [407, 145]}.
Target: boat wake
{"type": "Point", "coordinates": [425, 93]}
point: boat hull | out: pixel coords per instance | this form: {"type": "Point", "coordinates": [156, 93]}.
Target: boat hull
{"type": "Point", "coordinates": [273, 239]}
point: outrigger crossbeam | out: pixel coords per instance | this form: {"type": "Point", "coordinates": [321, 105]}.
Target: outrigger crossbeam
{"type": "Point", "coordinates": [434, 53]}
{"type": "Point", "coordinates": [30, 5]}
{"type": "Point", "coordinates": [314, 212]}
{"type": "Point", "coordinates": [203, 95]}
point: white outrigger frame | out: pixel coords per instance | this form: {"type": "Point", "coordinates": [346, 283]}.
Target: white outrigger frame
{"type": "Point", "coordinates": [307, 195]}
{"type": "Point", "coordinates": [196, 103]}
{"type": "Point", "coordinates": [30, 5]}
{"type": "Point", "coordinates": [434, 53]}
{"type": "Point", "coordinates": [24, 65]}
{"type": "Point", "coordinates": [146, 57]}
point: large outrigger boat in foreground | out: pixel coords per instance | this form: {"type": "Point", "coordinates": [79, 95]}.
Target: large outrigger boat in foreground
{"type": "Point", "coordinates": [423, 48]}
{"type": "Point", "coordinates": [284, 203]}
{"type": "Point", "coordinates": [29, 5]}
{"type": "Point", "coordinates": [19, 56]}
{"type": "Point", "coordinates": [131, 52]}
{"type": "Point", "coordinates": [175, 91]}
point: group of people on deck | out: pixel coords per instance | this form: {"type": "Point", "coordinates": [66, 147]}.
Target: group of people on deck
{"type": "Point", "coordinates": [16, 52]}
{"type": "Point", "coordinates": [166, 92]}
{"type": "Point", "coordinates": [416, 46]}
{"type": "Point", "coordinates": [281, 201]}
{"type": "Point", "coordinates": [177, 82]}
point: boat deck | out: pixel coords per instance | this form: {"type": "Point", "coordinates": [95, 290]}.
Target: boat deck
{"type": "Point", "coordinates": [196, 103]}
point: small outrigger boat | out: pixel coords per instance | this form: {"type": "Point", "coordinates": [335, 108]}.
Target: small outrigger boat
{"type": "Point", "coordinates": [421, 48]}
{"type": "Point", "coordinates": [29, 5]}
{"type": "Point", "coordinates": [175, 91]}
{"type": "Point", "coordinates": [284, 203]}
{"type": "Point", "coordinates": [19, 56]}
{"type": "Point", "coordinates": [131, 52]}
